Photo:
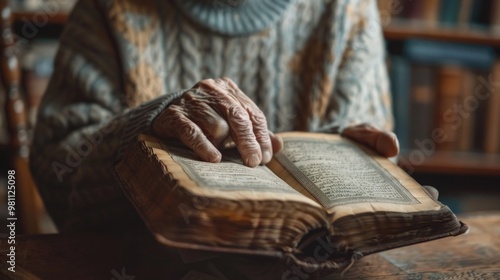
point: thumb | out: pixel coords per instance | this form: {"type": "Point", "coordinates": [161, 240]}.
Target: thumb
{"type": "Point", "coordinates": [384, 142]}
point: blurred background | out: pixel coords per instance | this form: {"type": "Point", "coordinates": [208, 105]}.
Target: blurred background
{"type": "Point", "coordinates": [444, 66]}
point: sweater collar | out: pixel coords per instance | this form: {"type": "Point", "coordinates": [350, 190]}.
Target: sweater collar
{"type": "Point", "coordinates": [234, 17]}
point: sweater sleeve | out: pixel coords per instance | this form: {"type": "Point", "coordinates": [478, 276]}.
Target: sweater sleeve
{"type": "Point", "coordinates": [82, 125]}
{"type": "Point", "coordinates": [362, 90]}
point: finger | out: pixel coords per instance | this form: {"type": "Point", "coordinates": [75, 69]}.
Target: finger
{"type": "Point", "coordinates": [433, 192]}
{"type": "Point", "coordinates": [257, 118]}
{"type": "Point", "coordinates": [178, 125]}
{"type": "Point", "coordinates": [193, 137]}
{"type": "Point", "coordinates": [215, 128]}
{"type": "Point", "coordinates": [385, 143]}
{"type": "Point", "coordinates": [261, 133]}
{"type": "Point", "coordinates": [241, 123]}
{"type": "Point", "coordinates": [243, 135]}
{"type": "Point", "coordinates": [276, 141]}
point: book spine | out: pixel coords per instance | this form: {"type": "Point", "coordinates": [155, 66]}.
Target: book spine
{"type": "Point", "coordinates": [430, 11]}
{"type": "Point", "coordinates": [448, 12]}
{"type": "Point", "coordinates": [464, 13]}
{"type": "Point", "coordinates": [400, 88]}
{"type": "Point", "coordinates": [449, 88]}
{"type": "Point", "coordinates": [467, 112]}
{"type": "Point", "coordinates": [412, 10]}
{"type": "Point", "coordinates": [492, 125]}
{"type": "Point", "coordinates": [480, 13]}
{"type": "Point", "coordinates": [422, 103]}
{"type": "Point", "coordinates": [495, 16]}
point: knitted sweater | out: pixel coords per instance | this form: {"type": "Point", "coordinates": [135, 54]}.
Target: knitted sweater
{"type": "Point", "coordinates": [311, 65]}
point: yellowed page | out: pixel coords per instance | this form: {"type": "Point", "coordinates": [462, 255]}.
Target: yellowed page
{"type": "Point", "coordinates": [229, 179]}
{"type": "Point", "coordinates": [347, 178]}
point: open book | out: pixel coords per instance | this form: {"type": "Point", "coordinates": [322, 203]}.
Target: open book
{"type": "Point", "coordinates": [322, 202]}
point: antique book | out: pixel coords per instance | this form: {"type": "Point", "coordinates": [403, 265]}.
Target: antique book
{"type": "Point", "coordinates": [320, 204]}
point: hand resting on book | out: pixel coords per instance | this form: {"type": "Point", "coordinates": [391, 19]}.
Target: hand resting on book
{"type": "Point", "coordinates": [212, 111]}
{"type": "Point", "coordinates": [384, 142]}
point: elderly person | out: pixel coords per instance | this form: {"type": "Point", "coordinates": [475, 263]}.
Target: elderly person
{"type": "Point", "coordinates": [204, 72]}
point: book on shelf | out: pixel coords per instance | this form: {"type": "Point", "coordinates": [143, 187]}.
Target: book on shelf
{"type": "Point", "coordinates": [466, 129]}
{"type": "Point", "coordinates": [322, 198]}
{"type": "Point", "coordinates": [423, 101]}
{"type": "Point", "coordinates": [492, 126]}
{"type": "Point", "coordinates": [495, 16]}
{"type": "Point", "coordinates": [449, 12]}
{"type": "Point", "coordinates": [447, 119]}
{"type": "Point", "coordinates": [412, 10]}
{"type": "Point", "coordinates": [430, 11]}
{"type": "Point", "coordinates": [481, 13]}
{"type": "Point", "coordinates": [399, 71]}
{"type": "Point", "coordinates": [464, 12]}
{"type": "Point", "coordinates": [480, 105]}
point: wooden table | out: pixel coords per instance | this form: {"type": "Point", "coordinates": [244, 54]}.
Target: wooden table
{"type": "Point", "coordinates": [475, 255]}
{"type": "Point", "coordinates": [130, 256]}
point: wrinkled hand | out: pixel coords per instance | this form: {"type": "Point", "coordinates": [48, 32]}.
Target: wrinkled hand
{"type": "Point", "coordinates": [384, 142]}
{"type": "Point", "coordinates": [212, 112]}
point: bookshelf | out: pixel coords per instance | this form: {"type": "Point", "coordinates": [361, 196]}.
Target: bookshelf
{"type": "Point", "coordinates": [445, 50]}
{"type": "Point", "coordinates": [54, 19]}
{"type": "Point", "coordinates": [479, 164]}
{"type": "Point", "coordinates": [407, 30]}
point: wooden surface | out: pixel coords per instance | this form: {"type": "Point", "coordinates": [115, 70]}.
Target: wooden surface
{"type": "Point", "coordinates": [453, 163]}
{"type": "Point", "coordinates": [475, 255]}
{"type": "Point", "coordinates": [403, 31]}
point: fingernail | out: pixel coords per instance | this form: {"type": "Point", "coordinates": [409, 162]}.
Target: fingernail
{"type": "Point", "coordinates": [394, 138]}
{"type": "Point", "coordinates": [266, 157]}
{"type": "Point", "coordinates": [215, 157]}
{"type": "Point", "coordinates": [253, 160]}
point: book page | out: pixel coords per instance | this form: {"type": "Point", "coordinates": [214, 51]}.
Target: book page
{"type": "Point", "coordinates": [343, 177]}
{"type": "Point", "coordinates": [228, 178]}
{"type": "Point", "coordinates": [230, 174]}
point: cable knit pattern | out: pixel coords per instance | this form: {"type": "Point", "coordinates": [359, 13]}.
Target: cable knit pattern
{"type": "Point", "coordinates": [315, 65]}
{"type": "Point", "coordinates": [249, 70]}
{"type": "Point", "coordinates": [267, 77]}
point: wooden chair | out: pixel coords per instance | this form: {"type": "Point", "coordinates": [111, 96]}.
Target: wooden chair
{"type": "Point", "coordinates": [30, 210]}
